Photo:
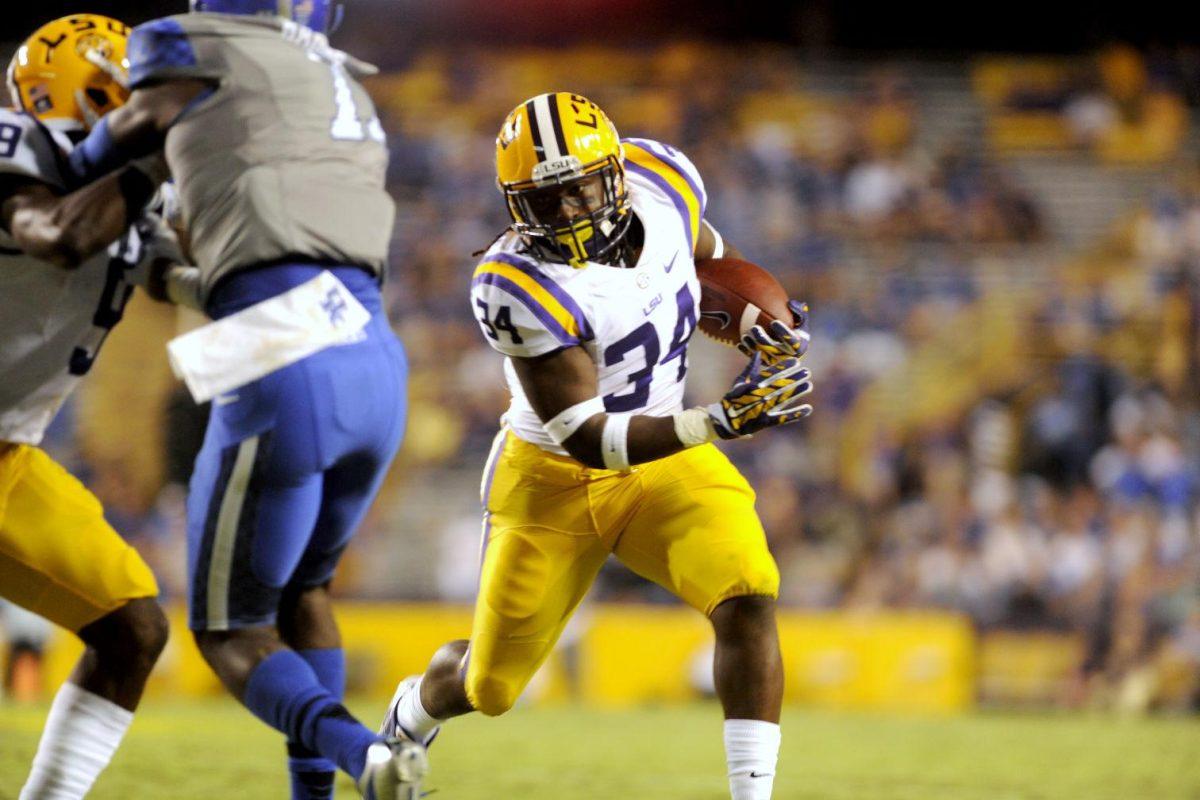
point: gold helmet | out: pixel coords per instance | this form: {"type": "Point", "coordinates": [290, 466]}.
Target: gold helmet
{"type": "Point", "coordinates": [72, 71]}
{"type": "Point", "coordinates": [560, 165]}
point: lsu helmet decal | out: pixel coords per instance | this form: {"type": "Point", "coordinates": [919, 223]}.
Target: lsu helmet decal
{"type": "Point", "coordinates": [322, 16]}
{"type": "Point", "coordinates": [560, 166]}
{"type": "Point", "coordinates": [72, 71]}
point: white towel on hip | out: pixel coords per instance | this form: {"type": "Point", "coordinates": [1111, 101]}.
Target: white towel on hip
{"type": "Point", "coordinates": [243, 347]}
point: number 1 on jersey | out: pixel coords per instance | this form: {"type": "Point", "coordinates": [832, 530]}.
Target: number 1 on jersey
{"type": "Point", "coordinates": [347, 125]}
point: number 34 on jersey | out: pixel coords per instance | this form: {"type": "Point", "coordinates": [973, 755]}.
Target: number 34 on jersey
{"type": "Point", "coordinates": [635, 323]}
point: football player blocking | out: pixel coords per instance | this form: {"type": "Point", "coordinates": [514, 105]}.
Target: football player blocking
{"type": "Point", "coordinates": [58, 556]}
{"type": "Point", "coordinates": [251, 110]}
{"type": "Point", "coordinates": [592, 296]}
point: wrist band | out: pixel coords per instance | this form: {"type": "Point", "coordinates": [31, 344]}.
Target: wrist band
{"type": "Point", "coordinates": [719, 244]}
{"type": "Point", "coordinates": [568, 421]}
{"type": "Point", "coordinates": [695, 427]}
{"type": "Point", "coordinates": [614, 443]}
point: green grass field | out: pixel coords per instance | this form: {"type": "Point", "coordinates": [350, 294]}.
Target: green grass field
{"type": "Point", "coordinates": [179, 751]}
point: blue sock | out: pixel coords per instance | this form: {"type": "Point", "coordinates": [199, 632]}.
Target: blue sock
{"type": "Point", "coordinates": [312, 776]}
{"type": "Point", "coordinates": [284, 692]}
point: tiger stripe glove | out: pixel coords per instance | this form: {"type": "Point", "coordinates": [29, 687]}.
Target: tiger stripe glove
{"type": "Point", "coordinates": [765, 395]}
{"type": "Point", "coordinates": [778, 340]}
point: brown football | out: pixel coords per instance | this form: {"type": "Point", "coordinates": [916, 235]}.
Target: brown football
{"type": "Point", "coordinates": [736, 295]}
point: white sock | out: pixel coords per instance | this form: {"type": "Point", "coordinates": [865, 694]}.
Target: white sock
{"type": "Point", "coordinates": [414, 718]}
{"type": "Point", "coordinates": [80, 737]}
{"type": "Point", "coordinates": [751, 750]}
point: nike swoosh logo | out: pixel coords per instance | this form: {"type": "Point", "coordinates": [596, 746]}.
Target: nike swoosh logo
{"type": "Point", "coordinates": [720, 316]}
{"type": "Point", "coordinates": [671, 266]}
{"type": "Point", "coordinates": [760, 774]}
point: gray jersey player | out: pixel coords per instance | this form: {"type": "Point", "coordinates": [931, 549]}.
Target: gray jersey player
{"type": "Point", "coordinates": [280, 163]}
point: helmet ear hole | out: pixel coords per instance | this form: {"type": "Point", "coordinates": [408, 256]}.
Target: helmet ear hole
{"type": "Point", "coordinates": [98, 96]}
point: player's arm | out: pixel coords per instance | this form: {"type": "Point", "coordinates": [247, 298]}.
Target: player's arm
{"type": "Point", "coordinates": [137, 128]}
{"type": "Point", "coordinates": [166, 81]}
{"type": "Point", "coordinates": [65, 229]}
{"type": "Point", "coordinates": [710, 244]}
{"type": "Point", "coordinates": [563, 390]}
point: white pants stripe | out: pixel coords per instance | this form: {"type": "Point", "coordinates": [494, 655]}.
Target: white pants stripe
{"type": "Point", "coordinates": [221, 566]}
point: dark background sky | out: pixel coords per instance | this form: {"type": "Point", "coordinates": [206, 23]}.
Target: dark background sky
{"type": "Point", "coordinates": [821, 26]}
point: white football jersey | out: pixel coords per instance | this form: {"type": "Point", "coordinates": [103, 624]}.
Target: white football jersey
{"type": "Point", "coordinates": [52, 321]}
{"type": "Point", "coordinates": [634, 322]}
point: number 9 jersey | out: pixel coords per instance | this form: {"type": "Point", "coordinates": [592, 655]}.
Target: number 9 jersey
{"type": "Point", "coordinates": [52, 320]}
{"type": "Point", "coordinates": [635, 322]}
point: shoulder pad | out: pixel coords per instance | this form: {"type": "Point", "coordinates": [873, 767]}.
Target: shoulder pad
{"type": "Point", "coordinates": [523, 312]}
{"type": "Point", "coordinates": [673, 174]}
{"type": "Point", "coordinates": [161, 49]}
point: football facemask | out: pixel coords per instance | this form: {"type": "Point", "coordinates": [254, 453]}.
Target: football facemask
{"type": "Point", "coordinates": [559, 165]}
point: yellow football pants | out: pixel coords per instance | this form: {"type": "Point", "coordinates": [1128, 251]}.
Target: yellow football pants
{"type": "Point", "coordinates": [58, 557]}
{"type": "Point", "coordinates": [686, 522]}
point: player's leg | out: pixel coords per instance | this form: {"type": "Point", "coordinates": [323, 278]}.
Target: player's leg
{"type": "Point", "coordinates": [306, 621]}
{"type": "Point", "coordinates": [697, 534]}
{"type": "Point", "coordinates": [533, 579]}
{"type": "Point", "coordinates": [250, 519]}
{"type": "Point", "coordinates": [748, 672]}
{"type": "Point", "coordinates": [276, 509]}
{"type": "Point", "coordinates": [540, 556]}
{"type": "Point", "coordinates": [306, 625]}
{"type": "Point", "coordinates": [122, 648]}
{"type": "Point", "coordinates": [363, 415]}
{"type": "Point", "coordinates": [60, 559]}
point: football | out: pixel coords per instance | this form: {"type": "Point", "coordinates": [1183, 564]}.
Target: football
{"type": "Point", "coordinates": [736, 295]}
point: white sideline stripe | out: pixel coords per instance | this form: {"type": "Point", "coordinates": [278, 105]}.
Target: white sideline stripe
{"type": "Point", "coordinates": [220, 567]}
{"type": "Point", "coordinates": [541, 105]}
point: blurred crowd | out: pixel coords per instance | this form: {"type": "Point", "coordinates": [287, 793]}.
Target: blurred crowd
{"type": "Point", "coordinates": [1003, 427]}
{"type": "Point", "coordinates": [1121, 104]}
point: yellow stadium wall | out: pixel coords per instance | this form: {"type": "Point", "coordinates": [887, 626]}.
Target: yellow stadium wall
{"type": "Point", "coordinates": [625, 655]}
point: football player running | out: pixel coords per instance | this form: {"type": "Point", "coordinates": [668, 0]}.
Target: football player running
{"type": "Point", "coordinates": [58, 556]}
{"type": "Point", "coordinates": [279, 160]}
{"type": "Point", "coordinates": [592, 296]}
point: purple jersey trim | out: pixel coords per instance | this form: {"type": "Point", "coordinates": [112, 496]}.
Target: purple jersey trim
{"type": "Point", "coordinates": [656, 149]}
{"type": "Point", "coordinates": [680, 204]}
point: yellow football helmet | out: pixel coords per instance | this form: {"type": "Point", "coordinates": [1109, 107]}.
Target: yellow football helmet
{"type": "Point", "coordinates": [72, 71]}
{"type": "Point", "coordinates": [560, 165]}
